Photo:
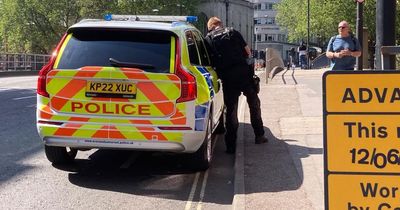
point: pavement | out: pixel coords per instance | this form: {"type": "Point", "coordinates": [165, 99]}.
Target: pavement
{"type": "Point", "coordinates": [286, 172]}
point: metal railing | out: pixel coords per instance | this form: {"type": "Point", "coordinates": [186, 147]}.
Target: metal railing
{"type": "Point", "coordinates": [22, 62]}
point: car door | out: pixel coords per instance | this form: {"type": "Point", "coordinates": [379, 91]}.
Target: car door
{"type": "Point", "coordinates": [215, 82]}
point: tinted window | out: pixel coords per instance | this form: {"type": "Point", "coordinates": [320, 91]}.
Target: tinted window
{"type": "Point", "coordinates": [94, 47]}
{"type": "Point", "coordinates": [205, 61]}
{"type": "Point", "coordinates": [193, 55]}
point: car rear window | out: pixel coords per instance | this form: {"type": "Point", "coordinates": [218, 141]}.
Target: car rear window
{"type": "Point", "coordinates": [95, 47]}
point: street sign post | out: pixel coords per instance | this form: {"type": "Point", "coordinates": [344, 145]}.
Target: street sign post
{"type": "Point", "coordinates": [361, 139]}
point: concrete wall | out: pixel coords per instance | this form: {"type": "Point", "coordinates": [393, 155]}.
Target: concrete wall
{"type": "Point", "coordinates": [240, 15]}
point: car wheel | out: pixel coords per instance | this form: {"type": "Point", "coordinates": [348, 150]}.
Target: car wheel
{"type": "Point", "coordinates": [60, 155]}
{"type": "Point", "coordinates": [221, 125]}
{"type": "Point", "coordinates": [203, 156]}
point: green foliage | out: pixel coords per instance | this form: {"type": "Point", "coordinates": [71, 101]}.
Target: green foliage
{"type": "Point", "coordinates": [36, 26]}
{"type": "Point", "coordinates": [325, 16]}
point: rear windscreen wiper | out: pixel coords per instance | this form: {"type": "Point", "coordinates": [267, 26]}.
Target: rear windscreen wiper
{"type": "Point", "coordinates": [117, 63]}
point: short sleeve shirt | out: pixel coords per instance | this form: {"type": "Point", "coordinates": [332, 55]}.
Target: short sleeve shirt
{"type": "Point", "coordinates": [338, 43]}
{"type": "Point", "coordinates": [302, 50]}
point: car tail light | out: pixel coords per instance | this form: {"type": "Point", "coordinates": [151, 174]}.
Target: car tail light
{"type": "Point", "coordinates": [41, 85]}
{"type": "Point", "coordinates": [188, 81]}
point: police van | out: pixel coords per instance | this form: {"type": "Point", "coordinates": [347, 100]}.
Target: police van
{"type": "Point", "coordinates": [130, 82]}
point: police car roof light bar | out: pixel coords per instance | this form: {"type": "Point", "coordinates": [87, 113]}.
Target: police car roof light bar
{"type": "Point", "coordinates": [155, 18]}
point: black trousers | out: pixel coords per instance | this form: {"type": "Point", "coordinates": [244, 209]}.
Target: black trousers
{"type": "Point", "coordinates": [231, 99]}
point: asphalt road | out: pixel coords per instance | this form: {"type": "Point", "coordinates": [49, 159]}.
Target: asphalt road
{"type": "Point", "coordinates": [98, 179]}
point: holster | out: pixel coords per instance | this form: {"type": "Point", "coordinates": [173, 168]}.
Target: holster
{"type": "Point", "coordinates": [256, 83]}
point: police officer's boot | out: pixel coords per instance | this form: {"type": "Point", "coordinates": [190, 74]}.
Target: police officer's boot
{"type": "Point", "coordinates": [261, 139]}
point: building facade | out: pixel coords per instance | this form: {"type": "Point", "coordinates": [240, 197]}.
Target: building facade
{"type": "Point", "coordinates": [235, 13]}
{"type": "Point", "coordinates": [267, 33]}
{"type": "Point", "coordinates": [266, 30]}
{"type": "Point", "coordinates": [255, 19]}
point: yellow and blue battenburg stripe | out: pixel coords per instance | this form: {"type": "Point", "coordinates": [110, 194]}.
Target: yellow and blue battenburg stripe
{"type": "Point", "coordinates": [209, 81]}
{"type": "Point", "coordinates": [200, 116]}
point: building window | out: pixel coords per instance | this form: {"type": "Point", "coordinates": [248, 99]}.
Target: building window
{"type": "Point", "coordinates": [269, 6]}
{"type": "Point", "coordinates": [281, 38]}
{"type": "Point", "coordinates": [258, 37]}
{"type": "Point", "coordinates": [257, 21]}
{"type": "Point", "coordinates": [257, 7]}
{"type": "Point", "coordinates": [270, 21]}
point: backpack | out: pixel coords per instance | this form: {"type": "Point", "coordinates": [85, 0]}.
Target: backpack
{"type": "Point", "coordinates": [226, 49]}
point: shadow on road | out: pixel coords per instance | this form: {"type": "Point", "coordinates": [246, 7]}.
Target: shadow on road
{"type": "Point", "coordinates": [151, 174]}
{"type": "Point", "coordinates": [154, 174]}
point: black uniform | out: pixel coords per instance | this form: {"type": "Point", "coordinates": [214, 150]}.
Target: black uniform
{"type": "Point", "coordinates": [229, 57]}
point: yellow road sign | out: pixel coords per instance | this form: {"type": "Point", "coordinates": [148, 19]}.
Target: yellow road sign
{"type": "Point", "coordinates": [363, 143]}
{"type": "Point", "coordinates": [368, 92]}
{"type": "Point", "coordinates": [362, 140]}
{"type": "Point", "coordinates": [367, 192]}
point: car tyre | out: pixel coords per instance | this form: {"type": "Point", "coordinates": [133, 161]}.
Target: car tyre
{"type": "Point", "coordinates": [60, 155]}
{"type": "Point", "coordinates": [203, 156]}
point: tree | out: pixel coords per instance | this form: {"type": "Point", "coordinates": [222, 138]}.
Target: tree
{"type": "Point", "coordinates": [325, 16]}
{"type": "Point", "coordinates": [36, 26]}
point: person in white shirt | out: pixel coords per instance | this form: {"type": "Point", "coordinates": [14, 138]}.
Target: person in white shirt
{"type": "Point", "coordinates": [302, 50]}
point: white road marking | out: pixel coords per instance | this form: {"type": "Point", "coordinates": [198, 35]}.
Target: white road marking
{"type": "Point", "coordinates": [192, 191]}
{"type": "Point", "coordinates": [203, 189]}
{"type": "Point", "coordinates": [32, 105]}
{"type": "Point", "coordinates": [23, 98]}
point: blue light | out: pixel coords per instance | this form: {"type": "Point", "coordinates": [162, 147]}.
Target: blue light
{"type": "Point", "coordinates": [108, 17]}
{"type": "Point", "coordinates": [191, 19]}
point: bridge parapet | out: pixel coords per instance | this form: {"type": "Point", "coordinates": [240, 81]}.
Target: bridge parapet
{"type": "Point", "coordinates": [22, 61]}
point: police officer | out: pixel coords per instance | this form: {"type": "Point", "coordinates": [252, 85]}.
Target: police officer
{"type": "Point", "coordinates": [229, 54]}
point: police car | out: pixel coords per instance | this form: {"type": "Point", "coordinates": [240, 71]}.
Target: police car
{"type": "Point", "coordinates": [130, 82]}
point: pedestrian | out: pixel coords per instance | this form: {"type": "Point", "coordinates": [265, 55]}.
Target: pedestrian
{"type": "Point", "coordinates": [343, 48]}
{"type": "Point", "coordinates": [230, 55]}
{"type": "Point", "coordinates": [291, 63]}
{"type": "Point", "coordinates": [302, 50]}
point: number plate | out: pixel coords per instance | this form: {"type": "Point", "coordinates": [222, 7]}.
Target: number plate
{"type": "Point", "coordinates": [110, 89]}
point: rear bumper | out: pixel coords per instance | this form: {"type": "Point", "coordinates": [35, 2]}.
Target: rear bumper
{"type": "Point", "coordinates": [184, 142]}
{"type": "Point", "coordinates": [114, 144]}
